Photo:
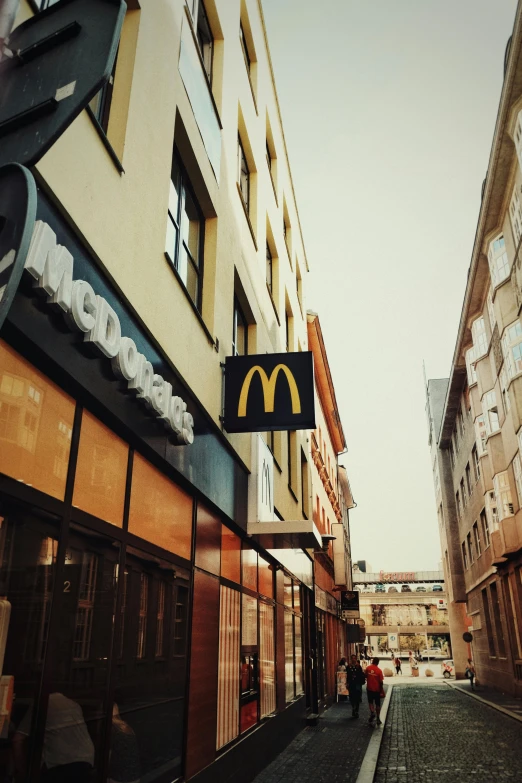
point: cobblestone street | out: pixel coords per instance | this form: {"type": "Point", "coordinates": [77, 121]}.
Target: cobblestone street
{"type": "Point", "coordinates": [438, 734]}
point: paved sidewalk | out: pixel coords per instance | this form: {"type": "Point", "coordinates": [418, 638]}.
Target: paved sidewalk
{"type": "Point", "coordinates": [331, 752]}
{"type": "Point", "coordinates": [438, 735]}
{"type": "Point", "coordinates": [496, 698]}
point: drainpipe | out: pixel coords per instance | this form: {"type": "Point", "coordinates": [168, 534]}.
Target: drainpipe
{"type": "Point", "coordinates": [8, 11]}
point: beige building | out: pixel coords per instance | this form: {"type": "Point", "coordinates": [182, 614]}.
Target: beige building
{"type": "Point", "coordinates": [475, 418]}
{"type": "Point", "coordinates": [127, 566]}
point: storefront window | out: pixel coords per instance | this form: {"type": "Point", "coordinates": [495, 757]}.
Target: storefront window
{"type": "Point", "coordinates": [267, 658]}
{"type": "Point", "coordinates": [249, 569]}
{"type": "Point", "coordinates": [36, 421]}
{"type": "Point", "coordinates": [289, 656]}
{"type": "Point", "coordinates": [101, 470]}
{"type": "Point", "coordinates": [228, 693]}
{"type": "Point", "coordinates": [249, 663]}
{"type": "Point", "coordinates": [28, 550]}
{"type": "Point", "coordinates": [266, 578]}
{"type": "Point", "coordinates": [230, 555]}
{"type": "Point", "coordinates": [160, 512]}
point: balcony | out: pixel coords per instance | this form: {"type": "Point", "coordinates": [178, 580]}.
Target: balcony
{"type": "Point", "coordinates": [511, 534]}
{"type": "Point", "coordinates": [497, 548]}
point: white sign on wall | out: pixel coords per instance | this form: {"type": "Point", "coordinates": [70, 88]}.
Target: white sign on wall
{"type": "Point", "coordinates": [261, 483]}
{"type": "Point", "coordinates": [393, 641]}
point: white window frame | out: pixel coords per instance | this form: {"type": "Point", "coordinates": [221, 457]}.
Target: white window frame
{"type": "Point", "coordinates": [480, 338]}
{"type": "Point", "coordinates": [470, 366]}
{"type": "Point", "coordinates": [491, 511]}
{"type": "Point", "coordinates": [503, 495]}
{"type": "Point", "coordinates": [490, 412]}
{"type": "Point", "coordinates": [481, 435]}
{"type": "Point", "coordinates": [499, 266]}
{"type": "Point", "coordinates": [512, 349]}
{"type": "Point", "coordinates": [515, 216]}
{"type": "Point", "coordinates": [476, 538]}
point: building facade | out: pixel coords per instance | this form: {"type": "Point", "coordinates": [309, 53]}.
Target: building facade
{"type": "Point", "coordinates": [477, 428]}
{"type": "Point", "coordinates": [135, 602]}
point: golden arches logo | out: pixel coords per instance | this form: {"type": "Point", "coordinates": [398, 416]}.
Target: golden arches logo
{"type": "Point", "coordinates": [269, 387]}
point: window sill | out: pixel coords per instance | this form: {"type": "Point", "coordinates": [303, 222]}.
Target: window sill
{"type": "Point", "coordinates": [189, 300]}
{"type": "Point", "coordinates": [245, 210]}
{"type": "Point", "coordinates": [106, 143]}
{"type": "Point", "coordinates": [273, 304]}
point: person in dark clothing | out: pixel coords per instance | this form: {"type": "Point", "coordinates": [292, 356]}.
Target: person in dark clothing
{"type": "Point", "coordinates": [355, 680]}
{"type": "Point", "coordinates": [398, 665]}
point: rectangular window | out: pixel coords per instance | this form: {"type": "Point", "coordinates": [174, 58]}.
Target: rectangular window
{"type": "Point", "coordinates": [515, 216]}
{"type": "Point", "coordinates": [512, 349]}
{"type": "Point", "coordinates": [480, 339]}
{"type": "Point", "coordinates": [498, 261]}
{"type": "Point", "coordinates": [517, 470]}
{"type": "Point", "coordinates": [142, 616]}
{"type": "Point", "coordinates": [470, 548]}
{"type": "Point", "coordinates": [470, 366]}
{"type": "Point", "coordinates": [490, 409]}
{"type": "Point", "coordinates": [476, 539]}
{"type": "Point", "coordinates": [243, 175]}
{"type": "Point", "coordinates": [487, 620]}
{"type": "Point", "coordinates": [85, 609]}
{"type": "Point", "coordinates": [239, 332]}
{"type": "Point", "coordinates": [476, 462]}
{"type": "Point", "coordinates": [289, 657]}
{"type": "Point", "coordinates": [185, 232]}
{"type": "Point", "coordinates": [463, 494]}
{"type": "Point", "coordinates": [481, 434]}
{"type": "Point", "coordinates": [229, 667]}
{"type": "Point", "coordinates": [492, 510]}
{"type": "Point", "coordinates": [244, 48]}
{"type": "Point", "coordinates": [469, 483]}
{"type": "Point", "coordinates": [457, 505]}
{"type": "Point", "coordinates": [498, 620]}
{"type": "Point", "coordinates": [464, 556]}
{"type": "Point", "coordinates": [267, 659]}
{"type": "Point", "coordinates": [269, 269]}
{"type": "Point", "coordinates": [503, 495]}
{"type": "Point", "coordinates": [485, 528]}
{"type": "Point", "coordinates": [205, 40]}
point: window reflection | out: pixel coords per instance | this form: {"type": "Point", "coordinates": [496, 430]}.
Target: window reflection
{"type": "Point", "coordinates": [36, 420]}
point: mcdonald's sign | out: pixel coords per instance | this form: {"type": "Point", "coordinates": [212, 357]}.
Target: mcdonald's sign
{"type": "Point", "coordinates": [273, 391]}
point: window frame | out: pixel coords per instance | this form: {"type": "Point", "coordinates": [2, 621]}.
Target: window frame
{"type": "Point", "coordinates": [184, 187]}
{"type": "Point", "coordinates": [238, 315]}
{"type": "Point", "coordinates": [476, 537]}
{"type": "Point", "coordinates": [499, 272]}
{"type": "Point", "coordinates": [509, 343]}
{"type": "Point", "coordinates": [244, 48]}
{"type": "Point", "coordinates": [200, 23]}
{"type": "Point", "coordinates": [243, 176]}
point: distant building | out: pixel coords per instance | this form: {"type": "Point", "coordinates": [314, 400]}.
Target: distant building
{"type": "Point", "coordinates": [475, 416]}
{"type": "Point", "coordinates": [363, 565]}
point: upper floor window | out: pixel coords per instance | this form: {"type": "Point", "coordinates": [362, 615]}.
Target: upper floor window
{"type": "Point", "coordinates": [512, 348]}
{"type": "Point", "coordinates": [491, 511]}
{"type": "Point", "coordinates": [503, 495]}
{"type": "Point", "coordinates": [458, 506]}
{"type": "Point", "coordinates": [469, 484]}
{"type": "Point", "coordinates": [515, 216]}
{"type": "Point", "coordinates": [490, 409]}
{"type": "Point", "coordinates": [243, 174]}
{"type": "Point", "coordinates": [476, 462]}
{"type": "Point", "coordinates": [485, 528]}
{"type": "Point", "coordinates": [470, 366]}
{"type": "Point", "coordinates": [239, 331]}
{"type": "Point", "coordinates": [244, 47]}
{"type": "Point", "coordinates": [185, 232]}
{"type": "Point", "coordinates": [205, 39]}
{"type": "Point", "coordinates": [464, 556]}
{"type": "Point", "coordinates": [463, 493]}
{"type": "Point", "coordinates": [269, 268]}
{"type": "Point", "coordinates": [480, 340]}
{"type": "Point", "coordinates": [517, 470]}
{"type": "Point", "coordinates": [498, 261]}
{"type": "Point", "coordinates": [482, 435]}
{"type": "Point", "coordinates": [476, 538]}
{"type": "Point", "coordinates": [470, 548]}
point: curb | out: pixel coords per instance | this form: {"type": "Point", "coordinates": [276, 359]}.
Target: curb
{"type": "Point", "coordinates": [369, 765]}
{"type": "Point", "coordinates": [492, 704]}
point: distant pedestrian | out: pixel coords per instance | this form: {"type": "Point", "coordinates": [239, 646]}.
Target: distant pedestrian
{"type": "Point", "coordinates": [374, 690]}
{"type": "Point", "coordinates": [398, 665]}
{"type": "Point", "coordinates": [355, 680]}
{"type": "Point", "coordinates": [470, 673]}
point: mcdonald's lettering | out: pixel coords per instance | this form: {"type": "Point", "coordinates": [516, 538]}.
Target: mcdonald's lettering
{"type": "Point", "coordinates": [269, 387]}
{"type": "Point", "coordinates": [269, 392]}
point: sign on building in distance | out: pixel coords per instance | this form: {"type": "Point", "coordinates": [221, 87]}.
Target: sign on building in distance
{"type": "Point", "coordinates": [393, 641]}
{"type": "Point", "coordinates": [350, 604]}
{"type": "Point", "coordinates": [269, 392]}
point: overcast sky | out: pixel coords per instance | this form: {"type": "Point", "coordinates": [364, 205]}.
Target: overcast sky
{"type": "Point", "coordinates": [389, 109]}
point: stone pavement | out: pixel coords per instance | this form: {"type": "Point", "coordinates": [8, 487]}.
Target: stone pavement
{"type": "Point", "coordinates": [438, 735]}
{"type": "Point", "coordinates": [504, 700]}
{"type": "Point", "coordinates": [331, 752]}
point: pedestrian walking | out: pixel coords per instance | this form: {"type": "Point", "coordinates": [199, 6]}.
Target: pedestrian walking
{"type": "Point", "coordinates": [374, 690]}
{"type": "Point", "coordinates": [398, 665]}
{"type": "Point", "coordinates": [355, 680]}
{"type": "Point", "coordinates": [470, 673]}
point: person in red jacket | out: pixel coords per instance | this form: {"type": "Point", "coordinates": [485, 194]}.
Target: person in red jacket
{"type": "Point", "coordinates": [374, 690]}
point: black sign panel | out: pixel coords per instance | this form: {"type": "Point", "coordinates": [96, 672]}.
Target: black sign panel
{"type": "Point", "coordinates": [17, 217]}
{"type": "Point", "coordinates": [62, 58]}
{"type": "Point", "coordinates": [349, 604]}
{"type": "Point", "coordinates": [273, 391]}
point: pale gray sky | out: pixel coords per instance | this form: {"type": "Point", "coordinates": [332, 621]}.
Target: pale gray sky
{"type": "Point", "coordinates": [389, 108]}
